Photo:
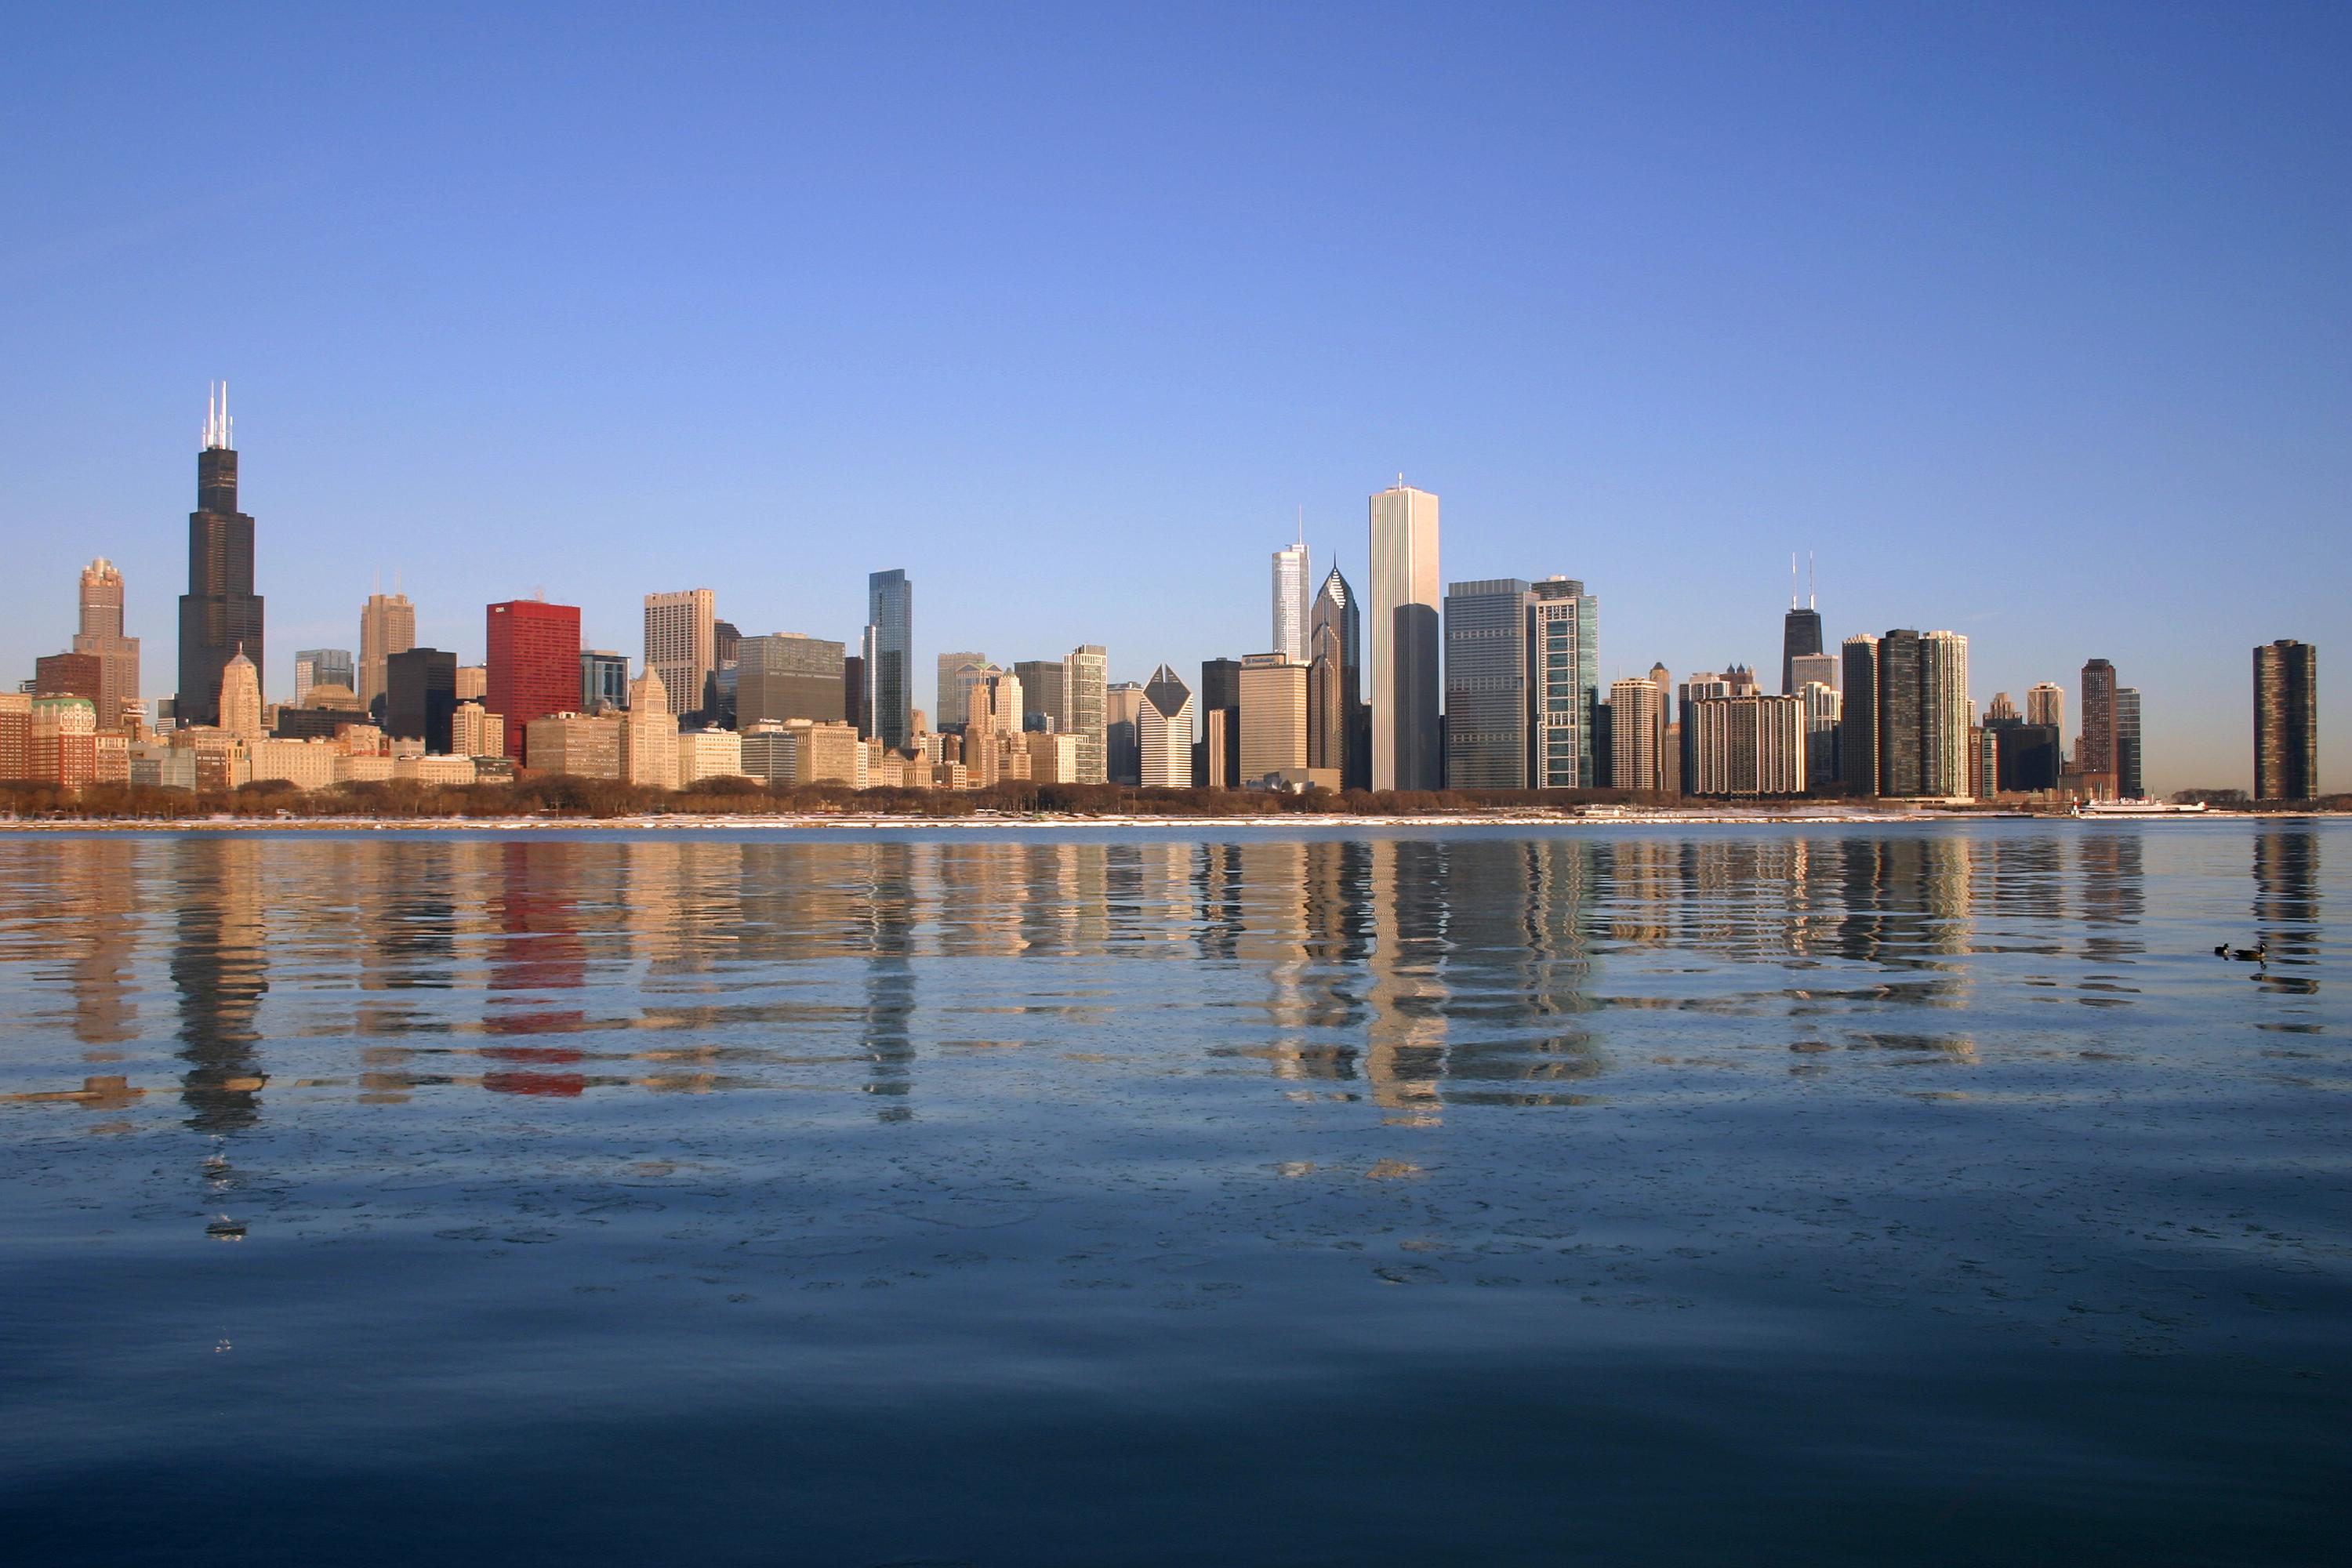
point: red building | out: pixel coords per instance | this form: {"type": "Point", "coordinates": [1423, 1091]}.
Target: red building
{"type": "Point", "coordinates": [534, 665]}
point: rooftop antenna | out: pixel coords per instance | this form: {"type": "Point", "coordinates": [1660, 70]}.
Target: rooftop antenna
{"type": "Point", "coordinates": [1812, 580]}
{"type": "Point", "coordinates": [1302, 525]}
{"type": "Point", "coordinates": [1792, 579]}
{"type": "Point", "coordinates": [228, 426]}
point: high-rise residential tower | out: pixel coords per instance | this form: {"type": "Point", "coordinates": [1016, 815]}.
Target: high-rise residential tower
{"type": "Point", "coordinates": [1336, 615]}
{"type": "Point", "coordinates": [1163, 732]}
{"type": "Point", "coordinates": [1801, 634]}
{"type": "Point", "coordinates": [1923, 714]}
{"type": "Point", "coordinates": [1293, 591]}
{"type": "Point", "coordinates": [1950, 714]}
{"type": "Point", "coordinates": [888, 650]}
{"type": "Point", "coordinates": [2287, 720]}
{"type": "Point", "coordinates": [1406, 750]}
{"type": "Point", "coordinates": [1487, 705]}
{"type": "Point", "coordinates": [220, 615]}
{"type": "Point", "coordinates": [682, 645]}
{"type": "Point", "coordinates": [2046, 703]}
{"type": "Point", "coordinates": [387, 627]}
{"type": "Point", "coordinates": [2096, 754]}
{"type": "Point", "coordinates": [534, 665]}
{"type": "Point", "coordinates": [101, 634]}
{"type": "Point", "coordinates": [1633, 710]}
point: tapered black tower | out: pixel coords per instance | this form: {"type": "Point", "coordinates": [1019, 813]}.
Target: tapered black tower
{"type": "Point", "coordinates": [220, 613]}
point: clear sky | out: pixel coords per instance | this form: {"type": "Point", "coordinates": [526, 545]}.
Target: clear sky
{"type": "Point", "coordinates": [2031, 321]}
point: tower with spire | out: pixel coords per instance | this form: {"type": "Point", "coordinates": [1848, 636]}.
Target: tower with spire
{"type": "Point", "coordinates": [1293, 592]}
{"type": "Point", "coordinates": [220, 615]}
{"type": "Point", "coordinates": [1800, 632]}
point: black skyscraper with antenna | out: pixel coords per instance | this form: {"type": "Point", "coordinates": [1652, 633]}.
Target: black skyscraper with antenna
{"type": "Point", "coordinates": [220, 613]}
{"type": "Point", "coordinates": [1800, 633]}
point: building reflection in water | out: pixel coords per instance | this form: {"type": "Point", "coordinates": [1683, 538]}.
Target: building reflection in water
{"type": "Point", "coordinates": [1418, 974]}
{"type": "Point", "coordinates": [219, 968]}
{"type": "Point", "coordinates": [2287, 906]}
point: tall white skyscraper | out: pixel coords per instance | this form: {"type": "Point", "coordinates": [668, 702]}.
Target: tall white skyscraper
{"type": "Point", "coordinates": [682, 644]}
{"type": "Point", "coordinates": [1947, 712]}
{"type": "Point", "coordinates": [1402, 608]}
{"type": "Point", "coordinates": [1293, 593]}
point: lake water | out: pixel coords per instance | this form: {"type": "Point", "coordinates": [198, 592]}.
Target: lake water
{"type": "Point", "coordinates": [1924, 1193]}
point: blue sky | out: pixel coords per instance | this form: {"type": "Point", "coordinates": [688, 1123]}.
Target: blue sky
{"type": "Point", "coordinates": [2033, 322]}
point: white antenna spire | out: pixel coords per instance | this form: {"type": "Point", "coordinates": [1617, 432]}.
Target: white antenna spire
{"type": "Point", "coordinates": [1812, 581]}
{"type": "Point", "coordinates": [1302, 525]}
{"type": "Point", "coordinates": [228, 426]}
{"type": "Point", "coordinates": [1792, 579]}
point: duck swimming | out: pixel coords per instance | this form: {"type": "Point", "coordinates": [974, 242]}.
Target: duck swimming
{"type": "Point", "coordinates": [2257, 954]}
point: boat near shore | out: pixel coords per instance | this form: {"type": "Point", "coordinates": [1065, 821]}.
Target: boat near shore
{"type": "Point", "coordinates": [2137, 808]}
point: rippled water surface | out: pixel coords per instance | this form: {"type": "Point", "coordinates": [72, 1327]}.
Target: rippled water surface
{"type": "Point", "coordinates": [1062, 1196]}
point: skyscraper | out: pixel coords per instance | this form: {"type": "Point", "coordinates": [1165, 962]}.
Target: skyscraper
{"type": "Point", "coordinates": [322, 666]}
{"type": "Point", "coordinates": [1122, 760]}
{"type": "Point", "coordinates": [240, 697]}
{"type": "Point", "coordinates": [1335, 610]}
{"type": "Point", "coordinates": [220, 615]}
{"type": "Point", "coordinates": [1220, 721]}
{"type": "Point", "coordinates": [1292, 591]}
{"type": "Point", "coordinates": [1858, 723]}
{"type": "Point", "coordinates": [888, 650]}
{"type": "Point", "coordinates": [1800, 633]}
{"type": "Point", "coordinates": [2046, 704]}
{"type": "Point", "coordinates": [2130, 782]}
{"type": "Point", "coordinates": [1902, 721]}
{"type": "Point", "coordinates": [534, 665]}
{"type": "Point", "coordinates": [1041, 692]}
{"type": "Point", "coordinates": [682, 644]}
{"type": "Point", "coordinates": [955, 672]}
{"type": "Point", "coordinates": [1564, 684]}
{"type": "Point", "coordinates": [1633, 711]}
{"type": "Point", "coordinates": [1274, 718]}
{"type": "Point", "coordinates": [785, 676]}
{"type": "Point", "coordinates": [420, 697]}
{"type": "Point", "coordinates": [604, 678]}
{"type": "Point", "coordinates": [387, 627]}
{"type": "Point", "coordinates": [101, 632]}
{"type": "Point", "coordinates": [2096, 754]}
{"type": "Point", "coordinates": [1950, 714]}
{"type": "Point", "coordinates": [2287, 720]}
{"type": "Point", "coordinates": [1163, 732]}
{"type": "Point", "coordinates": [649, 734]}
{"type": "Point", "coordinates": [1085, 675]}
{"type": "Point", "coordinates": [1487, 706]}
{"type": "Point", "coordinates": [1405, 634]}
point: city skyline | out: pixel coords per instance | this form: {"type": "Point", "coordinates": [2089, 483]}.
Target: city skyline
{"type": "Point", "coordinates": [1655, 332]}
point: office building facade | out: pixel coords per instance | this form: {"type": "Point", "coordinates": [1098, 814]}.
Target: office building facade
{"type": "Point", "coordinates": [534, 665]}
{"type": "Point", "coordinates": [1163, 734]}
{"type": "Point", "coordinates": [1403, 668]}
{"type": "Point", "coordinates": [99, 633]}
{"type": "Point", "coordinates": [1085, 675]}
{"type": "Point", "coordinates": [682, 645]}
{"type": "Point", "coordinates": [1293, 590]}
{"type": "Point", "coordinates": [387, 627]}
{"type": "Point", "coordinates": [1634, 710]}
{"type": "Point", "coordinates": [1488, 703]}
{"type": "Point", "coordinates": [420, 697]}
{"type": "Point", "coordinates": [787, 675]}
{"type": "Point", "coordinates": [323, 666]}
{"type": "Point", "coordinates": [888, 650]}
{"type": "Point", "coordinates": [1273, 719]}
{"type": "Point", "coordinates": [1564, 684]}
{"type": "Point", "coordinates": [1337, 617]}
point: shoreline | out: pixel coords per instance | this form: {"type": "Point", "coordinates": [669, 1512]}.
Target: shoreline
{"type": "Point", "coordinates": [864, 822]}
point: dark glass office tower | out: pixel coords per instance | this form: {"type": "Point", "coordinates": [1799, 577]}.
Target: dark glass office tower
{"type": "Point", "coordinates": [220, 613]}
{"type": "Point", "coordinates": [1858, 724]}
{"type": "Point", "coordinates": [2287, 720]}
{"type": "Point", "coordinates": [1800, 633]}
{"type": "Point", "coordinates": [1336, 611]}
{"type": "Point", "coordinates": [1487, 704]}
{"type": "Point", "coordinates": [420, 697]}
{"type": "Point", "coordinates": [1903, 712]}
{"type": "Point", "coordinates": [1220, 693]}
{"type": "Point", "coordinates": [2097, 753]}
{"type": "Point", "coordinates": [888, 653]}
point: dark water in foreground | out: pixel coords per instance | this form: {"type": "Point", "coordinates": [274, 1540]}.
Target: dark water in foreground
{"type": "Point", "coordinates": [1927, 1194]}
